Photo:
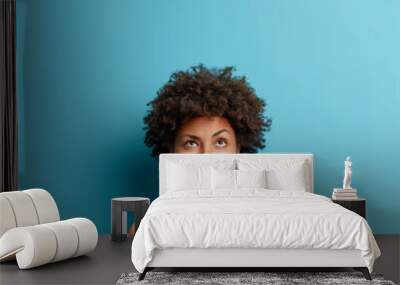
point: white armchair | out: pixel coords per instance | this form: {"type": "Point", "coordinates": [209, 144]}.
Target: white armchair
{"type": "Point", "coordinates": [31, 230]}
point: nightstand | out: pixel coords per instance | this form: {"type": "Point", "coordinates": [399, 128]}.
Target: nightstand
{"type": "Point", "coordinates": [358, 205]}
{"type": "Point", "coordinates": [119, 208]}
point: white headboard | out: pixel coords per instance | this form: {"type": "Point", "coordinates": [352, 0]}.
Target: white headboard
{"type": "Point", "coordinates": [210, 157]}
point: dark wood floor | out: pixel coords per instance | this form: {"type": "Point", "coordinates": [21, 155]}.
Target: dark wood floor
{"type": "Point", "coordinates": [110, 260]}
{"type": "Point", "coordinates": [389, 262]}
{"type": "Point", "coordinates": [102, 266]}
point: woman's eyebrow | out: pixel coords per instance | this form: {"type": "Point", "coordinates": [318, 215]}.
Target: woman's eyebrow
{"type": "Point", "coordinates": [220, 131]}
{"type": "Point", "coordinates": [191, 136]}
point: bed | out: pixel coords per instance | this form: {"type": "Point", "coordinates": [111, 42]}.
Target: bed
{"type": "Point", "coordinates": [247, 211]}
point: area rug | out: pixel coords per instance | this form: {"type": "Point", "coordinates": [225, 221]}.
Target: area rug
{"type": "Point", "coordinates": [269, 278]}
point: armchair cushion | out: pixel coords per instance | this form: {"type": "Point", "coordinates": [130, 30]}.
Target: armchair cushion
{"type": "Point", "coordinates": [31, 231]}
{"type": "Point", "coordinates": [26, 208]}
{"type": "Point", "coordinates": [40, 244]}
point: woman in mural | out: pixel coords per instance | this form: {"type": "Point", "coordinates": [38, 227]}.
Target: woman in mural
{"type": "Point", "coordinates": [206, 111]}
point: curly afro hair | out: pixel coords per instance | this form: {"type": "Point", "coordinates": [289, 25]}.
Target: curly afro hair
{"type": "Point", "coordinates": [200, 91]}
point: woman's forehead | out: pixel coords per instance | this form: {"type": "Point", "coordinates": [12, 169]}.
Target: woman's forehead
{"type": "Point", "coordinates": [205, 126]}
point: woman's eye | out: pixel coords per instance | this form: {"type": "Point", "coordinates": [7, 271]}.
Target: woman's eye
{"type": "Point", "coordinates": [190, 143]}
{"type": "Point", "coordinates": [220, 143]}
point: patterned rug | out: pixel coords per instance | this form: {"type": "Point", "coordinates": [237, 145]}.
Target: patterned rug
{"type": "Point", "coordinates": [269, 278]}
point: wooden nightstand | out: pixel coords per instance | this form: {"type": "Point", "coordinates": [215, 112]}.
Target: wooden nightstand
{"type": "Point", "coordinates": [358, 206]}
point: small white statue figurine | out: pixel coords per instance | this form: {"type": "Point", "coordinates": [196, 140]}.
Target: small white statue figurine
{"type": "Point", "coordinates": [347, 174]}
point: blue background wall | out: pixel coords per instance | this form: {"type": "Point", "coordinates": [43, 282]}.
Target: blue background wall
{"type": "Point", "coordinates": [329, 70]}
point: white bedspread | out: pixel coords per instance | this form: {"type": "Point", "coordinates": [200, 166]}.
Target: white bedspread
{"type": "Point", "coordinates": [250, 219]}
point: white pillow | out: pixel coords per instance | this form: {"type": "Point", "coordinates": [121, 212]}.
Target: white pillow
{"type": "Point", "coordinates": [223, 179]}
{"type": "Point", "coordinates": [290, 179]}
{"type": "Point", "coordinates": [226, 179]}
{"type": "Point", "coordinates": [181, 177]}
{"type": "Point", "coordinates": [251, 178]}
{"type": "Point", "coordinates": [282, 174]}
